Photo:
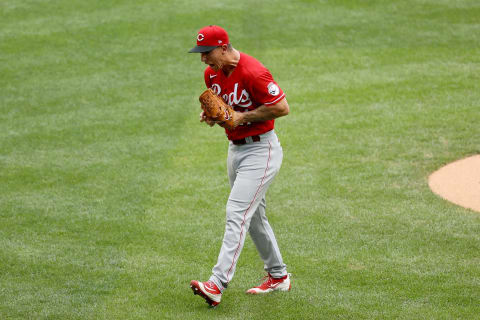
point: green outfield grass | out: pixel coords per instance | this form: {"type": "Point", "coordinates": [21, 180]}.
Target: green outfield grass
{"type": "Point", "coordinates": [112, 193]}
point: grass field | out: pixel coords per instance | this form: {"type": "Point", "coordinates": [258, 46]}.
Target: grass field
{"type": "Point", "coordinates": [112, 193]}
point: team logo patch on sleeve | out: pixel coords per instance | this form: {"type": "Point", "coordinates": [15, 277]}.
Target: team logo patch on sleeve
{"type": "Point", "coordinates": [273, 89]}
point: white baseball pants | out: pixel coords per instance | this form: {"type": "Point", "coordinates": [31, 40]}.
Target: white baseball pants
{"type": "Point", "coordinates": [251, 169]}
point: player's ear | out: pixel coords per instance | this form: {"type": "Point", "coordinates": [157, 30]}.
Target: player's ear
{"type": "Point", "coordinates": [224, 48]}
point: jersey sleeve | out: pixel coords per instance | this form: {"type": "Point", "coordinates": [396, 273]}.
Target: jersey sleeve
{"type": "Point", "coordinates": [264, 89]}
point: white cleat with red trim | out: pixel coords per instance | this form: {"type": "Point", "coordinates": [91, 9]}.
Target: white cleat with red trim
{"type": "Point", "coordinates": [208, 291]}
{"type": "Point", "coordinates": [272, 284]}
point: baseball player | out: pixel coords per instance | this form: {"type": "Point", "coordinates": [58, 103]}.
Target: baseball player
{"type": "Point", "coordinates": [254, 159]}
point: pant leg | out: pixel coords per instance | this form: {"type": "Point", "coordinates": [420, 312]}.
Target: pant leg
{"type": "Point", "coordinates": [254, 168]}
{"type": "Point", "coordinates": [262, 235]}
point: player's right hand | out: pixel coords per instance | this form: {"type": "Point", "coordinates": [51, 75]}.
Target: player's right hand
{"type": "Point", "coordinates": [204, 118]}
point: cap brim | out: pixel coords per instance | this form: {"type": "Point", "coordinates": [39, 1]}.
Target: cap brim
{"type": "Point", "coordinates": [199, 49]}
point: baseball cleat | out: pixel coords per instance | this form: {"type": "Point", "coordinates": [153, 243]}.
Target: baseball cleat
{"type": "Point", "coordinates": [272, 284]}
{"type": "Point", "coordinates": [208, 291]}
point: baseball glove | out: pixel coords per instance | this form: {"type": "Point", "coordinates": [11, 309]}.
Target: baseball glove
{"type": "Point", "coordinates": [216, 109]}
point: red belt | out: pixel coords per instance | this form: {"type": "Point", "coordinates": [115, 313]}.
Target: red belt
{"type": "Point", "coordinates": [243, 141]}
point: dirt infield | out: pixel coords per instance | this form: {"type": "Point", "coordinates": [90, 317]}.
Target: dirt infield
{"type": "Point", "coordinates": [459, 182]}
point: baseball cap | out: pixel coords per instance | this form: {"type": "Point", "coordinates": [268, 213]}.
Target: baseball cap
{"type": "Point", "coordinates": [210, 37]}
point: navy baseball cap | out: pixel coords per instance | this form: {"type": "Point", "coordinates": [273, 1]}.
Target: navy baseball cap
{"type": "Point", "coordinates": [210, 37]}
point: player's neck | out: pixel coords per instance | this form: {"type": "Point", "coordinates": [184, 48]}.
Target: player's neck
{"type": "Point", "coordinates": [231, 63]}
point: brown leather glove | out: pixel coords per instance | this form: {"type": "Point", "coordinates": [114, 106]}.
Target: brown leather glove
{"type": "Point", "coordinates": [216, 109]}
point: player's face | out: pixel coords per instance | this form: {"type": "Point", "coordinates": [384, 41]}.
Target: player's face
{"type": "Point", "coordinates": [213, 58]}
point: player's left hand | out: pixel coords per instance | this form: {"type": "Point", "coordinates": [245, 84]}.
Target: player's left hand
{"type": "Point", "coordinates": [237, 119]}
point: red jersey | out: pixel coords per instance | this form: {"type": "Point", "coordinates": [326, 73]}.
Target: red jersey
{"type": "Point", "coordinates": [249, 86]}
